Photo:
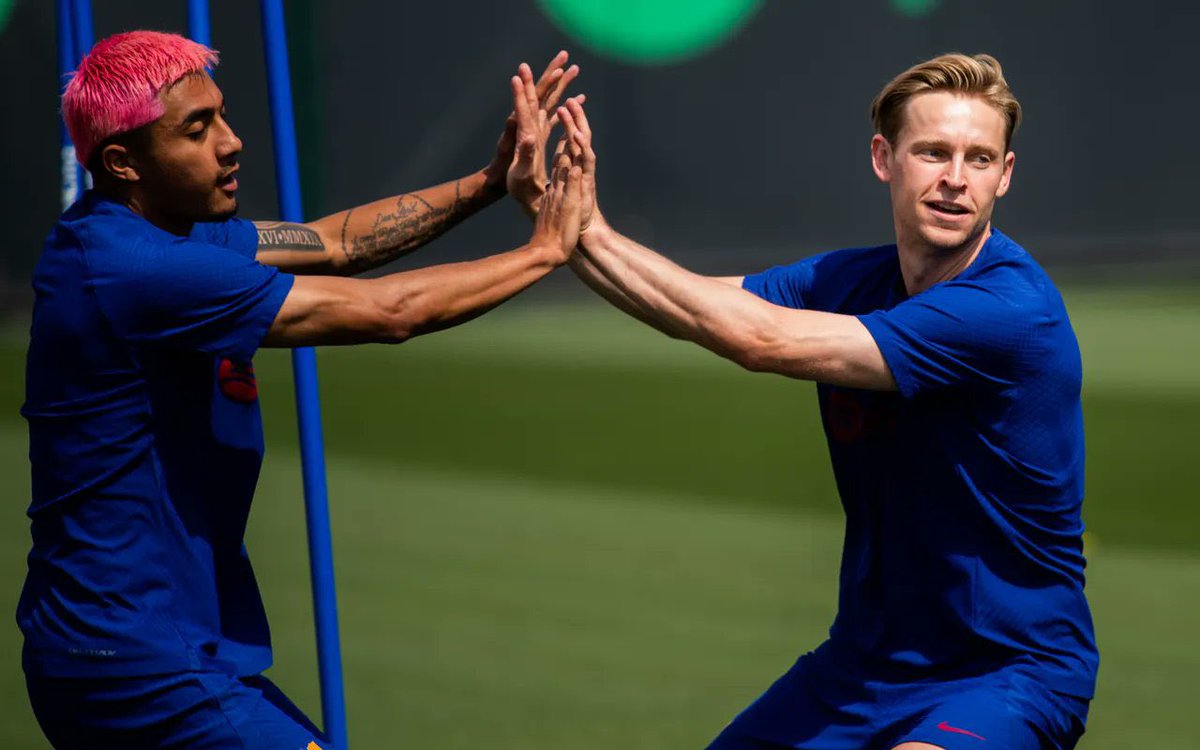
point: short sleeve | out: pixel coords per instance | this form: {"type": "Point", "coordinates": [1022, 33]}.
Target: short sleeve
{"type": "Point", "coordinates": [188, 295]}
{"type": "Point", "coordinates": [956, 334]}
{"type": "Point", "coordinates": [787, 285]}
{"type": "Point", "coordinates": [236, 234]}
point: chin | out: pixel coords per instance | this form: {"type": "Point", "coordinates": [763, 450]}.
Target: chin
{"type": "Point", "coordinates": [945, 239]}
{"type": "Point", "coordinates": [224, 212]}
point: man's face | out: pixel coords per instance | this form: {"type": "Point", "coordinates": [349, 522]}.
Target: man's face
{"type": "Point", "coordinates": [946, 169]}
{"type": "Point", "coordinates": [187, 173]}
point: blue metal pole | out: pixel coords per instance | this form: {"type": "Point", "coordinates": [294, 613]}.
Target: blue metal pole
{"type": "Point", "coordinates": [197, 22]}
{"type": "Point", "coordinates": [81, 37]}
{"type": "Point", "coordinates": [64, 20]}
{"type": "Point", "coordinates": [304, 370]}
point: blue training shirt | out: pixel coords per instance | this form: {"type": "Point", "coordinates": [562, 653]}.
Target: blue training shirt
{"type": "Point", "coordinates": [145, 442]}
{"type": "Point", "coordinates": [962, 492]}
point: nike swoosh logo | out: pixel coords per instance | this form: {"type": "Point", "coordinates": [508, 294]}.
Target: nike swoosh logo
{"type": "Point", "coordinates": [947, 728]}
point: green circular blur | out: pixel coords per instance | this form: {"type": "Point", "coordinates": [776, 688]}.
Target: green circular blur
{"type": "Point", "coordinates": [914, 8]}
{"type": "Point", "coordinates": [5, 9]}
{"type": "Point", "coordinates": [650, 32]}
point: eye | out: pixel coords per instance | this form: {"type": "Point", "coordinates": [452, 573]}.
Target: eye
{"type": "Point", "coordinates": [197, 134]}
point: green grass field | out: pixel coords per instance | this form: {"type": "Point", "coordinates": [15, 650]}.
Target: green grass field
{"type": "Point", "coordinates": [555, 528]}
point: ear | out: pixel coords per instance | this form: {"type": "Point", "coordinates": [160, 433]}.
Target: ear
{"type": "Point", "coordinates": [881, 158]}
{"type": "Point", "coordinates": [116, 160]}
{"type": "Point", "coordinates": [1006, 178]}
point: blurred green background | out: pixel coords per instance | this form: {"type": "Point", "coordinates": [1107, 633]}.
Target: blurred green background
{"type": "Point", "coordinates": [557, 528]}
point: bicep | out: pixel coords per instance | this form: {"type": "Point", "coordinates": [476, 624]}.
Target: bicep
{"type": "Point", "coordinates": [327, 310]}
{"type": "Point", "coordinates": [823, 347]}
{"type": "Point", "coordinates": [734, 281]}
{"type": "Point", "coordinates": [295, 248]}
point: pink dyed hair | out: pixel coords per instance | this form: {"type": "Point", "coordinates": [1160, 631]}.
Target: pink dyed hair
{"type": "Point", "coordinates": [117, 84]}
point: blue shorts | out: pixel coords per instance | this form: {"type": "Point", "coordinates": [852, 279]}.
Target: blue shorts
{"type": "Point", "coordinates": [192, 710]}
{"type": "Point", "coordinates": [1003, 710]}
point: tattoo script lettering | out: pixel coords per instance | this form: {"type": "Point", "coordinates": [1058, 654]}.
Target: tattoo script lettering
{"type": "Point", "coordinates": [413, 222]}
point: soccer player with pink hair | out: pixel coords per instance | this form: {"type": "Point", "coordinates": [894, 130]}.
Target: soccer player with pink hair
{"type": "Point", "coordinates": [142, 619]}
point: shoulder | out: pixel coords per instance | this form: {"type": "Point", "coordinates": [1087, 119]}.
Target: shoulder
{"type": "Point", "coordinates": [233, 233]}
{"type": "Point", "coordinates": [858, 258]}
{"type": "Point", "coordinates": [1011, 274]}
{"type": "Point", "coordinates": [854, 280]}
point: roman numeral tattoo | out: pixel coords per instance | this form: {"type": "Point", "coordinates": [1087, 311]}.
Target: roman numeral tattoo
{"type": "Point", "coordinates": [282, 235]}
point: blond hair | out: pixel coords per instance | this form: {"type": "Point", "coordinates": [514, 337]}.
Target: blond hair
{"type": "Point", "coordinates": [978, 75]}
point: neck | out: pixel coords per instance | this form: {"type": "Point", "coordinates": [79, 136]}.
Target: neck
{"type": "Point", "coordinates": [135, 203]}
{"type": "Point", "coordinates": [923, 266]}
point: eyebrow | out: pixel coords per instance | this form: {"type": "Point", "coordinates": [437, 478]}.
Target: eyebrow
{"type": "Point", "coordinates": [201, 115]}
{"type": "Point", "coordinates": [946, 145]}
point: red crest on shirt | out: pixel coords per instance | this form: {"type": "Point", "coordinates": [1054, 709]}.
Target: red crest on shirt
{"type": "Point", "coordinates": [237, 381]}
{"type": "Point", "coordinates": [854, 417]}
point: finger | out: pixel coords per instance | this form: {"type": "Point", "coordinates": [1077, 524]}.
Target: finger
{"type": "Point", "coordinates": [554, 119]}
{"type": "Point", "coordinates": [526, 129]}
{"type": "Point", "coordinates": [548, 81]}
{"type": "Point", "coordinates": [530, 88]}
{"type": "Point", "coordinates": [581, 121]}
{"type": "Point", "coordinates": [572, 207]}
{"type": "Point", "coordinates": [556, 168]}
{"type": "Point", "coordinates": [583, 135]}
{"type": "Point", "coordinates": [587, 156]}
{"type": "Point", "coordinates": [555, 93]}
{"type": "Point", "coordinates": [575, 183]}
{"type": "Point", "coordinates": [556, 63]}
{"type": "Point", "coordinates": [570, 130]}
{"type": "Point", "coordinates": [562, 165]}
{"type": "Point", "coordinates": [520, 103]}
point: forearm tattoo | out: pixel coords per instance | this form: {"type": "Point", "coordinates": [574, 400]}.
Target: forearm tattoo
{"type": "Point", "coordinates": [413, 222]}
{"type": "Point", "coordinates": [282, 235]}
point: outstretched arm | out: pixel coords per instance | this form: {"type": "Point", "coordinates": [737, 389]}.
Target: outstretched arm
{"type": "Point", "coordinates": [371, 235]}
{"type": "Point", "coordinates": [715, 313]}
{"type": "Point", "coordinates": [323, 310]}
{"type": "Point", "coordinates": [368, 236]}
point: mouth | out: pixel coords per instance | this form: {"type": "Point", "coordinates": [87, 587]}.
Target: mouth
{"type": "Point", "coordinates": [228, 181]}
{"type": "Point", "coordinates": [947, 210]}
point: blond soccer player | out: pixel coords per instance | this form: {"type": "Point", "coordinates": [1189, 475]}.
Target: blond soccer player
{"type": "Point", "coordinates": [948, 384]}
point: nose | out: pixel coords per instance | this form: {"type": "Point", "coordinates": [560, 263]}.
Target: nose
{"type": "Point", "coordinates": [228, 144]}
{"type": "Point", "coordinates": [955, 174]}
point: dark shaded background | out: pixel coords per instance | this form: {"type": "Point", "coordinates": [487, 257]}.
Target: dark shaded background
{"type": "Point", "coordinates": [752, 154]}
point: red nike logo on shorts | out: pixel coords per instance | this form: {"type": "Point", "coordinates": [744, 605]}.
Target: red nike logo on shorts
{"type": "Point", "coordinates": [947, 728]}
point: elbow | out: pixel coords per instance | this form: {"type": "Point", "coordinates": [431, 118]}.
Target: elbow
{"type": "Point", "coordinates": [399, 320]}
{"type": "Point", "coordinates": [393, 334]}
{"type": "Point", "coordinates": [752, 360]}
{"type": "Point", "coordinates": [751, 352]}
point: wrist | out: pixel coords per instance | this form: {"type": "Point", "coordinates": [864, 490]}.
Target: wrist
{"type": "Point", "coordinates": [492, 182]}
{"type": "Point", "coordinates": [597, 231]}
{"type": "Point", "coordinates": [530, 198]}
{"type": "Point", "coordinates": [548, 252]}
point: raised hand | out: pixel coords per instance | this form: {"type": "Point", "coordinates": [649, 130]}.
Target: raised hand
{"type": "Point", "coordinates": [577, 141]}
{"type": "Point", "coordinates": [558, 214]}
{"type": "Point", "coordinates": [547, 91]}
{"type": "Point", "coordinates": [533, 108]}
